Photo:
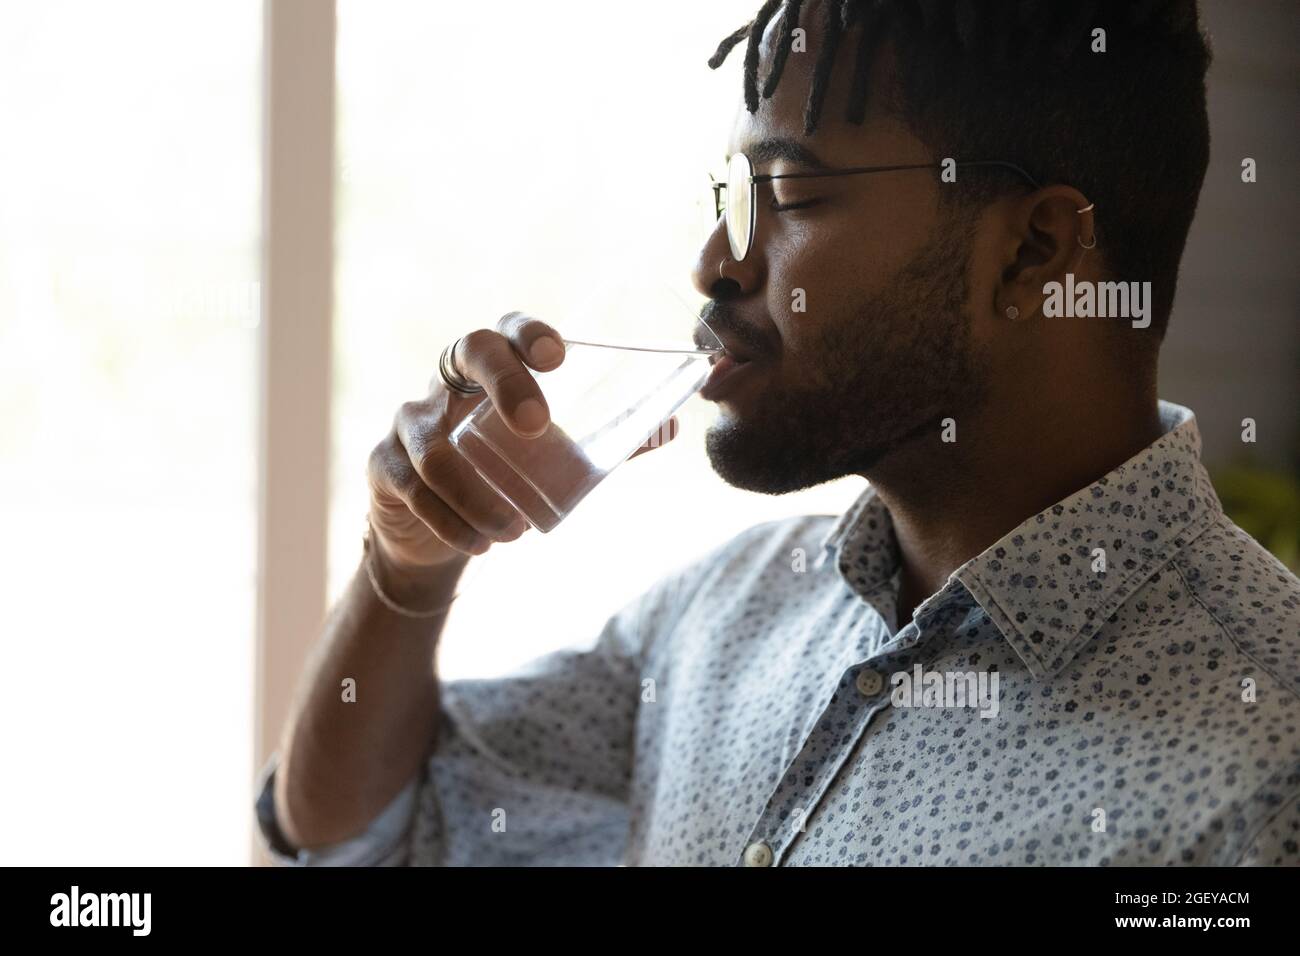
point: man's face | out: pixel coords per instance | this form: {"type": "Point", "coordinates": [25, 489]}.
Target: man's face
{"type": "Point", "coordinates": [883, 350]}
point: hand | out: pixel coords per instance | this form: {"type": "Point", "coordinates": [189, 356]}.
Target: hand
{"type": "Point", "coordinates": [428, 507]}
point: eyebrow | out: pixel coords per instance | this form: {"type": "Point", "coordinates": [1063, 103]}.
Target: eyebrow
{"type": "Point", "coordinates": [772, 148]}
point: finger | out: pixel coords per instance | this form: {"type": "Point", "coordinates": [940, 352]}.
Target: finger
{"type": "Point", "coordinates": [537, 343]}
{"type": "Point", "coordinates": [489, 358]}
{"type": "Point", "coordinates": [392, 475]}
{"type": "Point", "coordinates": [450, 478]}
{"type": "Point", "coordinates": [662, 436]}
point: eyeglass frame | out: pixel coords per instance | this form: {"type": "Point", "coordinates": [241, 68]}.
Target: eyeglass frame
{"type": "Point", "coordinates": [756, 178]}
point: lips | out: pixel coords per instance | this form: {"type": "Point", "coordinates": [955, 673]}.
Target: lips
{"type": "Point", "coordinates": [732, 345]}
{"type": "Point", "coordinates": [737, 355]}
{"type": "Point", "coordinates": [726, 367]}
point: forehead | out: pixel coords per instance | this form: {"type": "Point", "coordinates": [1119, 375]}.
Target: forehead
{"type": "Point", "coordinates": [835, 140]}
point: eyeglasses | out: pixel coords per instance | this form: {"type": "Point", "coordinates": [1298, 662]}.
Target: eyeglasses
{"type": "Point", "coordinates": [740, 204]}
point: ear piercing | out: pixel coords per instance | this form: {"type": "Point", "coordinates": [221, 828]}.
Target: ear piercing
{"type": "Point", "coordinates": [1012, 312]}
{"type": "Point", "coordinates": [1078, 239]}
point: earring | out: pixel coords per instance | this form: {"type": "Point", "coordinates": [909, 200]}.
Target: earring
{"type": "Point", "coordinates": [1079, 239]}
{"type": "Point", "coordinates": [1013, 313]}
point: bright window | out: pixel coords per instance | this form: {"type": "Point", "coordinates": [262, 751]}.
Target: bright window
{"type": "Point", "coordinates": [129, 230]}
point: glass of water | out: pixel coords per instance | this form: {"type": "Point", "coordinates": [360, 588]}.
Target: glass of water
{"type": "Point", "coordinates": [607, 398]}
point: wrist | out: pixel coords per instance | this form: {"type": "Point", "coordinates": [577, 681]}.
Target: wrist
{"type": "Point", "coordinates": [417, 588]}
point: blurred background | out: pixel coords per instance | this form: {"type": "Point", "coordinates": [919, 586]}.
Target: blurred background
{"type": "Point", "coordinates": [194, 366]}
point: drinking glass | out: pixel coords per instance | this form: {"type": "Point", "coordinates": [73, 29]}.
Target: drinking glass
{"type": "Point", "coordinates": [607, 399]}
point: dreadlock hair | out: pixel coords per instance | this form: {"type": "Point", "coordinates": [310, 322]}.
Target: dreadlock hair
{"type": "Point", "coordinates": [1018, 80]}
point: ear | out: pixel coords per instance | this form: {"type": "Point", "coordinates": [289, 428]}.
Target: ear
{"type": "Point", "coordinates": [1047, 234]}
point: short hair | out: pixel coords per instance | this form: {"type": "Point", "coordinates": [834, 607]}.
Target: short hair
{"type": "Point", "coordinates": [1018, 80]}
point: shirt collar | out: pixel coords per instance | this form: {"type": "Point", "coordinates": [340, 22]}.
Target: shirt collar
{"type": "Point", "coordinates": [862, 541]}
{"type": "Point", "coordinates": [1037, 583]}
{"type": "Point", "coordinates": [865, 548]}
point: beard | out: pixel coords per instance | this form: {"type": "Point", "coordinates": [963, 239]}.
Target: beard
{"type": "Point", "coordinates": [871, 381]}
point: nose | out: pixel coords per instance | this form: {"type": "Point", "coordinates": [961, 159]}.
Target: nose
{"type": "Point", "coordinates": [719, 276]}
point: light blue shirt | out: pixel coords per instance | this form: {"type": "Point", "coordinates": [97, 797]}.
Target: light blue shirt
{"type": "Point", "coordinates": [1116, 681]}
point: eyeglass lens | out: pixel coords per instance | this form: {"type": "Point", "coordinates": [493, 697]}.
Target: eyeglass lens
{"type": "Point", "coordinates": [739, 205]}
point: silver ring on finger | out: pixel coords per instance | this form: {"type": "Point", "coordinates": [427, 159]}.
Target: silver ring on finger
{"type": "Point", "coordinates": [451, 376]}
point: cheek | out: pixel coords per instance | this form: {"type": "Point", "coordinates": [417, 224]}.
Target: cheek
{"type": "Point", "coordinates": [801, 284]}
{"type": "Point", "coordinates": [821, 275]}
{"type": "Point", "coordinates": [798, 272]}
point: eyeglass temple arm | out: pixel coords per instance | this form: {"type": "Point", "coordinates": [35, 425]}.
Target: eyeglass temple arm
{"type": "Point", "coordinates": [885, 169]}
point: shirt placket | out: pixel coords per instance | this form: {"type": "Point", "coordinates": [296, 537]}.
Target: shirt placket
{"type": "Point", "coordinates": [861, 693]}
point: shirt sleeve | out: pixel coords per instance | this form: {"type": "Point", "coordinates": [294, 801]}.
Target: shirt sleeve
{"type": "Point", "coordinates": [535, 769]}
{"type": "Point", "coordinates": [384, 842]}
{"type": "Point", "coordinates": [531, 769]}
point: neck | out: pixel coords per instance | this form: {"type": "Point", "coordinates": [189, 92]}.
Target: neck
{"type": "Point", "coordinates": [951, 501]}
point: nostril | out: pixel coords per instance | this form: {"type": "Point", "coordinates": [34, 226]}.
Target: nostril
{"type": "Point", "coordinates": [724, 288]}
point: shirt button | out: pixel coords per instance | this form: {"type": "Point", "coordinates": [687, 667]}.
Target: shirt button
{"type": "Point", "coordinates": [869, 682]}
{"type": "Point", "coordinates": [758, 854]}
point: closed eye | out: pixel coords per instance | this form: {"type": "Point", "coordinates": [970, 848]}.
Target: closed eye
{"type": "Point", "coordinates": [786, 207]}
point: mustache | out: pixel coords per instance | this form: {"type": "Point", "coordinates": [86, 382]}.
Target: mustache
{"type": "Point", "coordinates": [724, 319]}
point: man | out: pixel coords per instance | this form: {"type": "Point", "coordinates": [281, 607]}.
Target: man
{"type": "Point", "coordinates": [1034, 639]}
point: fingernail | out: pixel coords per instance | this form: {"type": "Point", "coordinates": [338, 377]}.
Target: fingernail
{"type": "Point", "coordinates": [545, 351]}
{"type": "Point", "coordinates": [530, 415]}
